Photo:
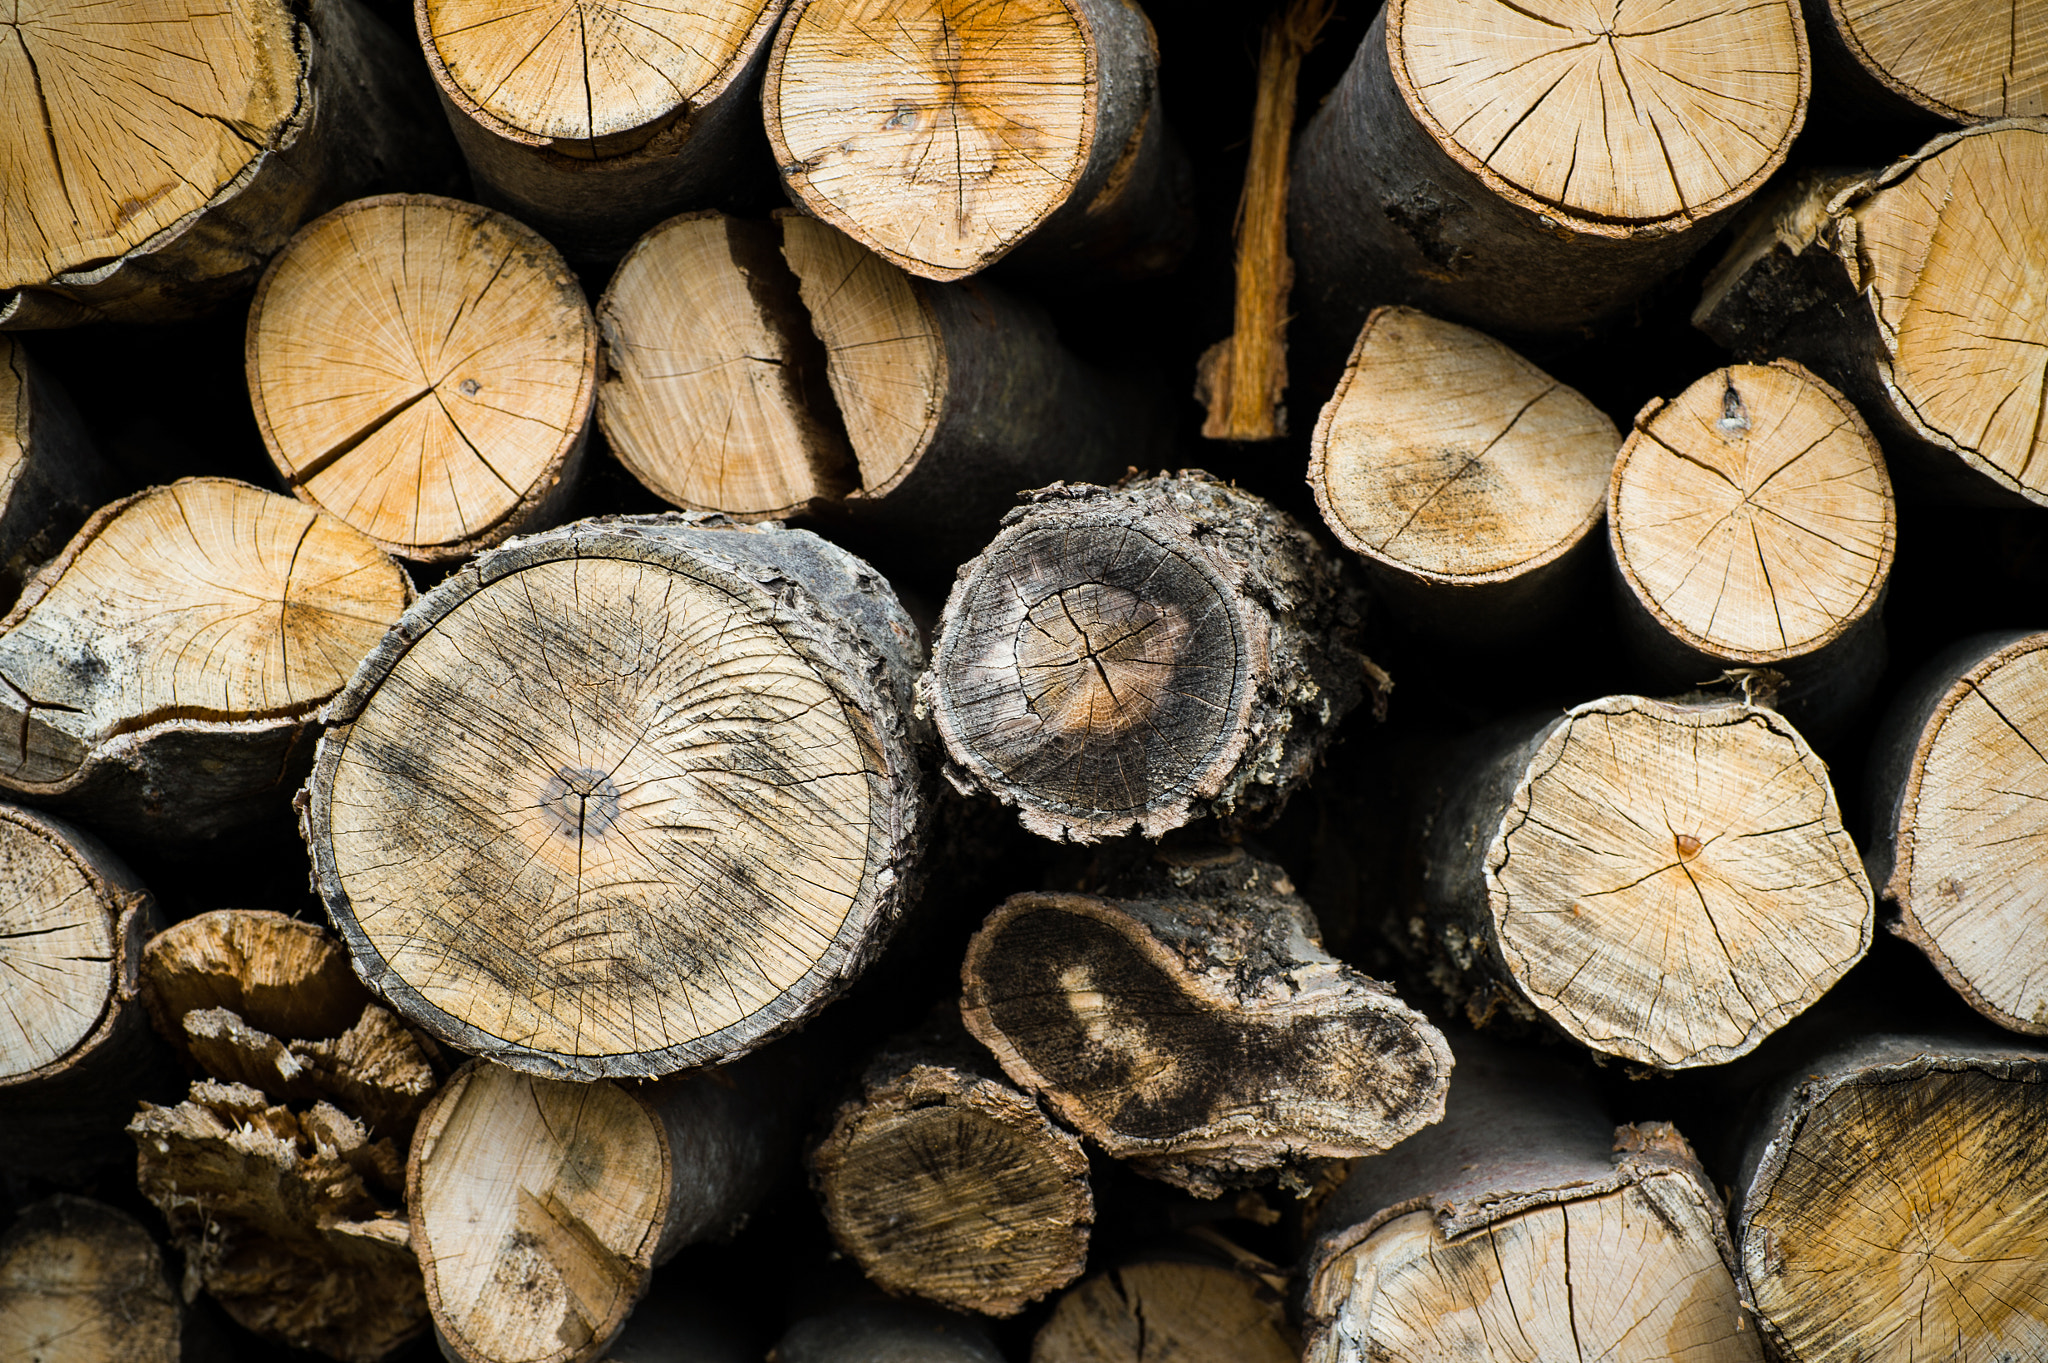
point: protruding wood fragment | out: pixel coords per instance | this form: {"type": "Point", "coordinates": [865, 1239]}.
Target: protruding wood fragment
{"type": "Point", "coordinates": [1192, 1024]}
{"type": "Point", "coordinates": [1204, 1306]}
{"type": "Point", "coordinates": [51, 477]}
{"type": "Point", "coordinates": [424, 370]}
{"type": "Point", "coordinates": [1130, 658]}
{"type": "Point", "coordinates": [943, 1181]}
{"type": "Point", "coordinates": [1892, 1203]}
{"type": "Point", "coordinates": [1959, 790]}
{"type": "Point", "coordinates": [627, 797]}
{"type": "Point", "coordinates": [1464, 476]}
{"type": "Point", "coordinates": [1955, 59]}
{"type": "Point", "coordinates": [158, 675]}
{"type": "Point", "coordinates": [83, 1283]}
{"type": "Point", "coordinates": [1665, 881]}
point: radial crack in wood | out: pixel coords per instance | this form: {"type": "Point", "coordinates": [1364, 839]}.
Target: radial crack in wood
{"type": "Point", "coordinates": [82, 1283]}
{"type": "Point", "coordinates": [1957, 59]}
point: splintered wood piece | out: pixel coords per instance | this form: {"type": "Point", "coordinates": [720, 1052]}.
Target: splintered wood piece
{"type": "Point", "coordinates": [287, 1219]}
{"type": "Point", "coordinates": [711, 396]}
{"type": "Point", "coordinates": [680, 756]}
{"type": "Point", "coordinates": [1167, 1307]}
{"type": "Point", "coordinates": [1956, 59]}
{"type": "Point", "coordinates": [51, 477]}
{"type": "Point", "coordinates": [1131, 658]}
{"type": "Point", "coordinates": [160, 151]}
{"type": "Point", "coordinates": [280, 975]}
{"type": "Point", "coordinates": [942, 133]}
{"type": "Point", "coordinates": [1666, 881]}
{"type": "Point", "coordinates": [1893, 1204]}
{"type": "Point", "coordinates": [1194, 1025]}
{"type": "Point", "coordinates": [1460, 473]}
{"type": "Point", "coordinates": [423, 369]}
{"type": "Point", "coordinates": [75, 1045]}
{"type": "Point", "coordinates": [1524, 1229]}
{"type": "Point", "coordinates": [901, 1332]}
{"type": "Point", "coordinates": [593, 122]}
{"type": "Point", "coordinates": [1959, 785]}
{"type": "Point", "coordinates": [82, 1283]}
{"type": "Point", "coordinates": [539, 1208]}
{"type": "Point", "coordinates": [943, 1181]}
{"type": "Point", "coordinates": [1534, 170]}
{"type": "Point", "coordinates": [158, 673]}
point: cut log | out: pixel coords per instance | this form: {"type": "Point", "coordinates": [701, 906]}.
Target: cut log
{"type": "Point", "coordinates": [1665, 881]}
{"type": "Point", "coordinates": [1893, 1203]}
{"type": "Point", "coordinates": [76, 1049]}
{"type": "Point", "coordinates": [1753, 525]}
{"type": "Point", "coordinates": [899, 1332]}
{"type": "Point", "coordinates": [1899, 287]}
{"type": "Point", "coordinates": [83, 1283]}
{"type": "Point", "coordinates": [163, 150]}
{"type": "Point", "coordinates": [1131, 658]}
{"type": "Point", "coordinates": [158, 676]}
{"type": "Point", "coordinates": [1958, 781]}
{"type": "Point", "coordinates": [593, 123]}
{"type": "Point", "coordinates": [1526, 1228]}
{"type": "Point", "coordinates": [539, 1208]}
{"type": "Point", "coordinates": [1198, 1307]}
{"type": "Point", "coordinates": [627, 797]}
{"type": "Point", "coordinates": [942, 136]}
{"type": "Point", "coordinates": [1954, 59]}
{"type": "Point", "coordinates": [424, 369]}
{"type": "Point", "coordinates": [51, 476]}
{"type": "Point", "coordinates": [1536, 175]}
{"type": "Point", "coordinates": [1189, 1021]}
{"type": "Point", "coordinates": [942, 1181]}
{"type": "Point", "coordinates": [1469, 480]}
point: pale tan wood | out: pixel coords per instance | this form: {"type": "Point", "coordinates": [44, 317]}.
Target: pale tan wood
{"type": "Point", "coordinates": [423, 369]}
{"type": "Point", "coordinates": [288, 977]}
{"type": "Point", "coordinates": [1963, 59]}
{"type": "Point", "coordinates": [1166, 1308]}
{"type": "Point", "coordinates": [83, 1283]}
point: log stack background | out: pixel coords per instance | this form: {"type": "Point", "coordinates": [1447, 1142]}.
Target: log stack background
{"type": "Point", "coordinates": [1597, 746]}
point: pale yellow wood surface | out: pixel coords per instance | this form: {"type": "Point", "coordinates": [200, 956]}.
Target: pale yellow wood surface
{"type": "Point", "coordinates": [418, 366]}
{"type": "Point", "coordinates": [937, 132]}
{"type": "Point", "coordinates": [1752, 515]}
{"type": "Point", "coordinates": [576, 70]}
{"type": "Point", "coordinates": [1630, 1276]}
{"type": "Point", "coordinates": [1672, 884]}
{"type": "Point", "coordinates": [1974, 58]}
{"type": "Point", "coordinates": [1447, 455]}
{"type": "Point", "coordinates": [85, 1284]}
{"type": "Point", "coordinates": [57, 973]}
{"type": "Point", "coordinates": [119, 117]}
{"type": "Point", "coordinates": [1618, 111]}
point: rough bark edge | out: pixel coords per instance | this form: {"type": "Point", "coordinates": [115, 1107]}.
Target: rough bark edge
{"type": "Point", "coordinates": [826, 632]}
{"type": "Point", "coordinates": [548, 494]}
{"type": "Point", "coordinates": [1869, 88]}
{"type": "Point", "coordinates": [62, 478]}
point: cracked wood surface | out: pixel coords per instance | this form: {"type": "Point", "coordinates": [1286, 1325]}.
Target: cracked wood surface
{"type": "Point", "coordinates": [423, 369]}
{"type": "Point", "coordinates": [1965, 60]}
{"type": "Point", "coordinates": [1167, 1307]}
{"type": "Point", "coordinates": [626, 797]}
{"type": "Point", "coordinates": [81, 1282]}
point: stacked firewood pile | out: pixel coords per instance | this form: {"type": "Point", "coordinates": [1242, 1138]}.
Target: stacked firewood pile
{"type": "Point", "coordinates": [958, 680]}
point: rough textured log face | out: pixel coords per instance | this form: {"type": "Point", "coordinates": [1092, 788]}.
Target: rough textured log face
{"type": "Point", "coordinates": [83, 1283]}
{"type": "Point", "coordinates": [570, 74]}
{"type": "Point", "coordinates": [122, 119]}
{"type": "Point", "coordinates": [1673, 883]}
{"type": "Point", "coordinates": [975, 121]}
{"type": "Point", "coordinates": [1203, 1313]}
{"type": "Point", "coordinates": [1630, 1275]}
{"type": "Point", "coordinates": [1989, 61]}
{"type": "Point", "coordinates": [289, 978]}
{"type": "Point", "coordinates": [1903, 1218]}
{"type": "Point", "coordinates": [1447, 456]}
{"type": "Point", "coordinates": [1752, 516]}
{"type": "Point", "coordinates": [1608, 116]}
{"type": "Point", "coordinates": [422, 368]}
{"type": "Point", "coordinates": [58, 940]}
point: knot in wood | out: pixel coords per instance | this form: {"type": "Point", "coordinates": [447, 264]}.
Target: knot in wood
{"type": "Point", "coordinates": [580, 802]}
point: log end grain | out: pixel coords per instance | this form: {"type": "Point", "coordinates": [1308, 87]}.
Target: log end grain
{"type": "Point", "coordinates": [1988, 63]}
{"type": "Point", "coordinates": [80, 1283]}
{"type": "Point", "coordinates": [1168, 1308]}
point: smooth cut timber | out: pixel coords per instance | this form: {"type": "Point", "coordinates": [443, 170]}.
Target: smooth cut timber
{"type": "Point", "coordinates": [1921, 291]}
{"type": "Point", "coordinates": [1189, 1021]}
{"type": "Point", "coordinates": [1131, 658]}
{"type": "Point", "coordinates": [1959, 787]}
{"type": "Point", "coordinates": [1893, 1203]}
{"type": "Point", "coordinates": [944, 1182]}
{"type": "Point", "coordinates": [942, 134]}
{"type": "Point", "coordinates": [1753, 524]}
{"type": "Point", "coordinates": [157, 677]}
{"type": "Point", "coordinates": [1207, 1302]}
{"type": "Point", "coordinates": [1959, 60]}
{"type": "Point", "coordinates": [627, 797]}
{"type": "Point", "coordinates": [594, 122]}
{"type": "Point", "coordinates": [424, 370]}
{"type": "Point", "coordinates": [1533, 170]}
{"type": "Point", "coordinates": [76, 1049]}
{"type": "Point", "coordinates": [539, 1208]}
{"type": "Point", "coordinates": [51, 476]}
{"type": "Point", "coordinates": [1467, 479]}
{"type": "Point", "coordinates": [900, 1332]}
{"type": "Point", "coordinates": [1666, 881]}
{"type": "Point", "coordinates": [160, 151]}
{"type": "Point", "coordinates": [1526, 1228]}
{"type": "Point", "coordinates": [81, 1282]}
